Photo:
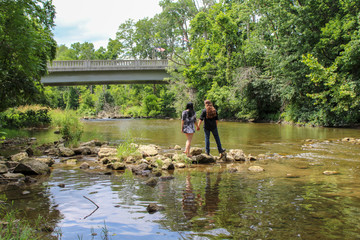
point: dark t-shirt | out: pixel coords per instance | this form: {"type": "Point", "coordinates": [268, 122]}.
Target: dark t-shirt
{"type": "Point", "coordinates": [209, 123]}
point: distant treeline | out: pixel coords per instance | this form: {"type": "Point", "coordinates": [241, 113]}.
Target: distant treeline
{"type": "Point", "coordinates": [295, 61]}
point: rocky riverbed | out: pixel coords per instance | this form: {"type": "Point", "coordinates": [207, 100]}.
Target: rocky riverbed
{"type": "Point", "coordinates": [148, 161]}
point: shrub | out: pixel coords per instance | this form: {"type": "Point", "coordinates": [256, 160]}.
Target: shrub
{"type": "Point", "coordinates": [70, 125]}
{"type": "Point", "coordinates": [135, 111]}
{"type": "Point", "coordinates": [25, 116]}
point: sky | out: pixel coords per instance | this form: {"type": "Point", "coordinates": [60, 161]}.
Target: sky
{"type": "Point", "coordinates": [96, 21]}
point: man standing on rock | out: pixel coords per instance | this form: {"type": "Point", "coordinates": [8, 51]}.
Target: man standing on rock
{"type": "Point", "coordinates": [210, 117]}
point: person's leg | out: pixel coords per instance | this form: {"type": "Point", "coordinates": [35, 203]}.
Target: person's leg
{"type": "Point", "coordinates": [207, 141]}
{"type": "Point", "coordinates": [217, 140]}
{"type": "Point", "coordinates": [188, 143]}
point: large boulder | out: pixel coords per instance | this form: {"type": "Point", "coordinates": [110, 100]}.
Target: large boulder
{"type": "Point", "coordinates": [47, 160]}
{"type": "Point", "coordinates": [167, 165]}
{"type": "Point", "coordinates": [139, 169]}
{"type": "Point", "coordinates": [148, 150]}
{"type": "Point", "coordinates": [52, 151]}
{"type": "Point", "coordinates": [32, 167]}
{"type": "Point", "coordinates": [237, 154]}
{"type": "Point", "coordinates": [194, 151]}
{"type": "Point", "coordinates": [118, 166]}
{"type": "Point", "coordinates": [19, 157]}
{"type": "Point", "coordinates": [203, 159]}
{"type": "Point", "coordinates": [107, 152]}
{"type": "Point", "coordinates": [66, 152]}
{"type": "Point", "coordinates": [83, 150]}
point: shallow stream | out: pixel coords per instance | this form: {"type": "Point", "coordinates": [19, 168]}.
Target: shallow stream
{"type": "Point", "coordinates": [208, 201]}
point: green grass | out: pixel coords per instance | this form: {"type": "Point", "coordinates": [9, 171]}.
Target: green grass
{"type": "Point", "coordinates": [14, 228]}
{"type": "Point", "coordinates": [127, 148]}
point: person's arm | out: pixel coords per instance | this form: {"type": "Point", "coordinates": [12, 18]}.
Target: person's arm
{"type": "Point", "coordinates": [216, 122]}
{"type": "Point", "coordinates": [198, 124]}
{"type": "Point", "coordinates": [182, 125]}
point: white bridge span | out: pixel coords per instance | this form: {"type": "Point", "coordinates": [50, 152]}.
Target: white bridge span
{"type": "Point", "coordinates": [93, 72]}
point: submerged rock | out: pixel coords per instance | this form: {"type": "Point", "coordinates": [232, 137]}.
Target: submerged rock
{"type": "Point", "coordinates": [71, 162]}
{"type": "Point", "coordinates": [256, 169]}
{"type": "Point", "coordinates": [290, 175]}
{"type": "Point", "coordinates": [151, 182]}
{"type": "Point", "coordinates": [327, 172]}
{"type": "Point", "coordinates": [30, 180]}
{"type": "Point", "coordinates": [153, 207]}
{"type": "Point", "coordinates": [85, 165]}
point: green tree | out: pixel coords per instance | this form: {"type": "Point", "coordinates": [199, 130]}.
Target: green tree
{"type": "Point", "coordinates": [26, 45]}
{"type": "Point", "coordinates": [151, 105]}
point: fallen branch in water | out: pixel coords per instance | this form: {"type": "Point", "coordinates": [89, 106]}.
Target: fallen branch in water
{"type": "Point", "coordinates": [97, 207]}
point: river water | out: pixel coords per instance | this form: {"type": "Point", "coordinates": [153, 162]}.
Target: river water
{"type": "Point", "coordinates": [208, 201]}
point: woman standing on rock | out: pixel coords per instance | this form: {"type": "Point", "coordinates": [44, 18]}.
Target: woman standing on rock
{"type": "Point", "coordinates": [188, 123]}
{"type": "Point", "coordinates": [210, 117]}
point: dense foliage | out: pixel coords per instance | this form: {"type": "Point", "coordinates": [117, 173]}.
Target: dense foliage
{"type": "Point", "coordinates": [23, 117]}
{"type": "Point", "coordinates": [26, 45]}
{"type": "Point", "coordinates": [295, 61]}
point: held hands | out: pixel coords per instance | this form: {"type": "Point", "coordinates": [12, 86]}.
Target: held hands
{"type": "Point", "coordinates": [198, 128]}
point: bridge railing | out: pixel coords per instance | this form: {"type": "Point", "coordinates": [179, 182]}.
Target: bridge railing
{"type": "Point", "coordinates": [106, 65]}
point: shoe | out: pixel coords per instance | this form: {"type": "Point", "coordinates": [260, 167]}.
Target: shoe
{"type": "Point", "coordinates": [223, 153]}
{"type": "Point", "coordinates": [223, 150]}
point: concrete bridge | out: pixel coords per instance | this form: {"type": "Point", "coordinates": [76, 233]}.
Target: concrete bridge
{"type": "Point", "coordinates": [93, 72]}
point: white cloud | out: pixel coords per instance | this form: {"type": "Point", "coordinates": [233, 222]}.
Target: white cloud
{"type": "Point", "coordinates": [96, 21]}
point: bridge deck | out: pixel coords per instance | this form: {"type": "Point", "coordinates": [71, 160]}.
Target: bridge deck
{"type": "Point", "coordinates": [106, 65]}
{"type": "Point", "coordinates": [92, 72]}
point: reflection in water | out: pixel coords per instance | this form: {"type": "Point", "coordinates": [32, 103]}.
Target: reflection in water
{"type": "Point", "coordinates": [211, 195]}
{"type": "Point", "coordinates": [190, 201]}
{"type": "Point", "coordinates": [209, 201]}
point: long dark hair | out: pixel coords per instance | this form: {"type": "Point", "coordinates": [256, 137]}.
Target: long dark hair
{"type": "Point", "coordinates": [210, 110]}
{"type": "Point", "coordinates": [190, 107]}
